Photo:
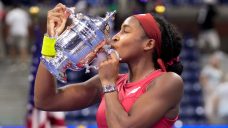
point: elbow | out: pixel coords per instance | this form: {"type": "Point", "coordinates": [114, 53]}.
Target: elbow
{"type": "Point", "coordinates": [38, 104]}
{"type": "Point", "coordinates": [41, 105]}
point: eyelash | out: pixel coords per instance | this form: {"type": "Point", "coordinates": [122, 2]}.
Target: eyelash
{"type": "Point", "coordinates": [125, 31]}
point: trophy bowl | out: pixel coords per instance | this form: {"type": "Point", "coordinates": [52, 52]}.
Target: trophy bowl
{"type": "Point", "coordinates": [79, 44]}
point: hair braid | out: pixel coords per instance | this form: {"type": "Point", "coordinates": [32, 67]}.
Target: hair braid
{"type": "Point", "coordinates": [170, 47]}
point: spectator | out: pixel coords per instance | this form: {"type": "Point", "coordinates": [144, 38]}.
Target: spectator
{"type": "Point", "coordinates": [208, 35]}
{"type": "Point", "coordinates": [2, 49]}
{"type": "Point", "coordinates": [18, 22]}
{"type": "Point", "coordinates": [220, 103]}
{"type": "Point", "coordinates": [210, 77]}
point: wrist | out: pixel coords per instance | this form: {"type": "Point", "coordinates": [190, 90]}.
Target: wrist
{"type": "Point", "coordinates": [47, 34]}
{"type": "Point", "coordinates": [108, 88]}
{"type": "Point", "coordinates": [110, 82]}
{"type": "Point", "coordinates": [48, 47]}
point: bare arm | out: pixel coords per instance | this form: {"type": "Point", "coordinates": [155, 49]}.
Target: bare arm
{"type": "Point", "coordinates": [205, 84]}
{"type": "Point", "coordinates": [70, 97]}
{"type": "Point", "coordinates": [163, 95]}
{"type": "Point", "coordinates": [215, 104]}
{"type": "Point", "coordinates": [149, 108]}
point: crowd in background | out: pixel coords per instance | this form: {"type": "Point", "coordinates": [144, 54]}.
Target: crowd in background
{"type": "Point", "coordinates": [21, 37]}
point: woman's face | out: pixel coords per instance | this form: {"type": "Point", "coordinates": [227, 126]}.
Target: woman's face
{"type": "Point", "coordinates": [128, 42]}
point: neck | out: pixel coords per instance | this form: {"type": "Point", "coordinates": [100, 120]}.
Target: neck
{"type": "Point", "coordinates": [140, 68]}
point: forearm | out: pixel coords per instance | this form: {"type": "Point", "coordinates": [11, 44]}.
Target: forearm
{"type": "Point", "coordinates": [215, 105]}
{"type": "Point", "coordinates": [45, 87]}
{"type": "Point", "coordinates": [116, 116]}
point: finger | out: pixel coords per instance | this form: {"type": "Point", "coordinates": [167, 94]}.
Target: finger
{"type": "Point", "coordinates": [52, 25]}
{"type": "Point", "coordinates": [64, 20]}
{"type": "Point", "coordinates": [58, 9]}
{"type": "Point", "coordinates": [52, 14]}
{"type": "Point", "coordinates": [51, 17]}
{"type": "Point", "coordinates": [56, 14]}
{"type": "Point", "coordinates": [66, 14]}
{"type": "Point", "coordinates": [108, 57]}
{"type": "Point", "coordinates": [61, 25]}
{"type": "Point", "coordinates": [102, 64]}
{"type": "Point", "coordinates": [56, 21]}
{"type": "Point", "coordinates": [60, 5]}
{"type": "Point", "coordinates": [62, 14]}
{"type": "Point", "coordinates": [115, 55]}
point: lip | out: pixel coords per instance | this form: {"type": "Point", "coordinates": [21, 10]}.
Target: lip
{"type": "Point", "coordinates": [112, 46]}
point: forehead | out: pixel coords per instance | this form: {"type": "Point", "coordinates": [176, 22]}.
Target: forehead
{"type": "Point", "coordinates": [132, 22]}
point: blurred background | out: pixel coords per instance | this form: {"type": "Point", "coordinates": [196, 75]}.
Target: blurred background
{"type": "Point", "coordinates": [203, 24]}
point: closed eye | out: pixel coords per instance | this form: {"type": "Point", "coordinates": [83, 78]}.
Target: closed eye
{"type": "Point", "coordinates": [126, 31]}
{"type": "Point", "coordinates": [126, 28]}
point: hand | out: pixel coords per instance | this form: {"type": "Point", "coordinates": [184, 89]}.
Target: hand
{"type": "Point", "coordinates": [109, 69]}
{"type": "Point", "coordinates": [56, 20]}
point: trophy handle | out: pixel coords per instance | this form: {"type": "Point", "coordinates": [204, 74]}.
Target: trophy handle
{"type": "Point", "coordinates": [79, 44]}
{"type": "Point", "coordinates": [60, 75]}
{"type": "Point", "coordinates": [71, 10]}
{"type": "Point", "coordinates": [107, 50]}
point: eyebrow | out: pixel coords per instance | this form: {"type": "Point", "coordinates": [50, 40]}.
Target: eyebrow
{"type": "Point", "coordinates": [126, 26]}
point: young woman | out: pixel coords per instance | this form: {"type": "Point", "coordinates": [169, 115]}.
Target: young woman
{"type": "Point", "coordinates": [146, 97]}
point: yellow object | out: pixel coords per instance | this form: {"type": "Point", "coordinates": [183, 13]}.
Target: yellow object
{"type": "Point", "coordinates": [81, 126]}
{"type": "Point", "coordinates": [34, 9]}
{"type": "Point", "coordinates": [48, 47]}
{"type": "Point", "coordinates": [160, 9]}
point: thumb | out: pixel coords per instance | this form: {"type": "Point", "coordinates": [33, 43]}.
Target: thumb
{"type": "Point", "coordinates": [115, 55]}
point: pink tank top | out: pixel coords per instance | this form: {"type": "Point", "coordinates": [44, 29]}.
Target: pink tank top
{"type": "Point", "coordinates": [128, 93]}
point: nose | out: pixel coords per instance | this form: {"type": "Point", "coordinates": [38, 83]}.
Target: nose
{"type": "Point", "coordinates": [116, 38]}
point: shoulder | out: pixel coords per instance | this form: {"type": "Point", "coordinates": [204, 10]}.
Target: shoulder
{"type": "Point", "coordinates": [170, 78]}
{"type": "Point", "coordinates": [171, 81]}
{"type": "Point", "coordinates": [169, 84]}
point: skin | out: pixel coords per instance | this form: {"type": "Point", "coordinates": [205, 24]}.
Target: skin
{"type": "Point", "coordinates": [215, 62]}
{"type": "Point", "coordinates": [161, 99]}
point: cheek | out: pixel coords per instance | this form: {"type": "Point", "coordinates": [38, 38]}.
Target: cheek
{"type": "Point", "coordinates": [128, 46]}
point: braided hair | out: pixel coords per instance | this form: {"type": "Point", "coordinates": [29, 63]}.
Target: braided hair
{"type": "Point", "coordinates": [170, 47]}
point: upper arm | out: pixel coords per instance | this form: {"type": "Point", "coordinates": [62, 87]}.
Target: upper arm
{"type": "Point", "coordinates": [164, 94]}
{"type": "Point", "coordinates": [78, 96]}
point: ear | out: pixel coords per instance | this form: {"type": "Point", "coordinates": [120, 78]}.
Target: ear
{"type": "Point", "coordinates": [149, 44]}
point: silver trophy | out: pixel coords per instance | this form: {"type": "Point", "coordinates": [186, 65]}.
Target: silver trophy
{"type": "Point", "coordinates": [79, 44]}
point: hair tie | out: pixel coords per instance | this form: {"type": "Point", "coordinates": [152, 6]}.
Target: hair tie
{"type": "Point", "coordinates": [161, 64]}
{"type": "Point", "coordinates": [173, 60]}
